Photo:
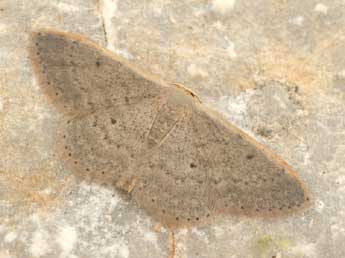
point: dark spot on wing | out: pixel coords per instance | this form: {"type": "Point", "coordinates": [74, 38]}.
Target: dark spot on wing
{"type": "Point", "coordinates": [193, 165]}
{"type": "Point", "coordinates": [250, 156]}
{"type": "Point", "coordinates": [113, 121]}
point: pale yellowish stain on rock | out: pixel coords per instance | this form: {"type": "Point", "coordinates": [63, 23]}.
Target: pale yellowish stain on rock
{"type": "Point", "coordinates": [280, 64]}
{"type": "Point", "coordinates": [33, 192]}
{"type": "Point", "coordinates": [311, 72]}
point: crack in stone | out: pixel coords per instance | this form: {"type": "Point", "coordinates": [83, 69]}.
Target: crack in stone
{"type": "Point", "coordinates": [100, 6]}
{"type": "Point", "coordinates": [104, 31]}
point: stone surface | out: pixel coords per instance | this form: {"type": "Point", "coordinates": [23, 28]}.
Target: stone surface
{"type": "Point", "coordinates": [274, 68]}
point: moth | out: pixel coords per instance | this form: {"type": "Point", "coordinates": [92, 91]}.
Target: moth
{"type": "Point", "coordinates": [182, 162]}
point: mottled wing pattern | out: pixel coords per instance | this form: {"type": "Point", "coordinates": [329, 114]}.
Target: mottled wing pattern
{"type": "Point", "coordinates": [109, 105]}
{"type": "Point", "coordinates": [206, 168]}
{"type": "Point", "coordinates": [181, 162]}
{"type": "Point", "coordinates": [103, 146]}
{"type": "Point", "coordinates": [79, 76]}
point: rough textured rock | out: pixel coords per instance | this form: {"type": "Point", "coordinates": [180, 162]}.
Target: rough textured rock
{"type": "Point", "coordinates": [274, 68]}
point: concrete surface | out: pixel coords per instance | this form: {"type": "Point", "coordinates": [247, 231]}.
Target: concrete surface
{"type": "Point", "coordinates": [275, 68]}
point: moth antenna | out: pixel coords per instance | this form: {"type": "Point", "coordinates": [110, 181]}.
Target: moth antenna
{"type": "Point", "coordinates": [160, 105]}
{"type": "Point", "coordinates": [171, 129]}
